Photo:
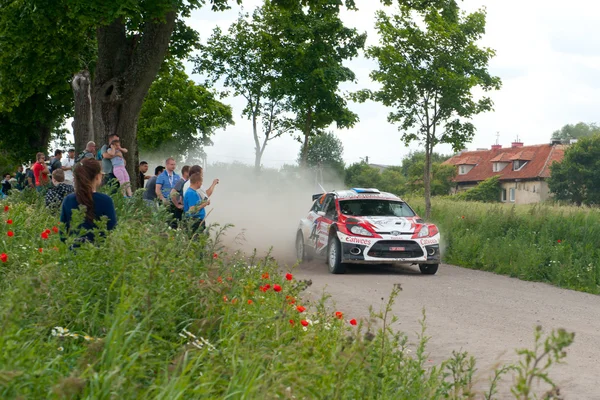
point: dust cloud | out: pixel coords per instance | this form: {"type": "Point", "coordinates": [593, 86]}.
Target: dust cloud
{"type": "Point", "coordinates": [265, 209]}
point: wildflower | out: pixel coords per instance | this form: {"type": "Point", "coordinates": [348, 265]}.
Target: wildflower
{"type": "Point", "coordinates": [215, 256]}
{"type": "Point", "coordinates": [48, 231]}
{"type": "Point", "coordinates": [41, 250]}
{"type": "Point", "coordinates": [220, 280]}
{"type": "Point", "coordinates": [339, 314]}
{"type": "Point", "coordinates": [201, 280]}
{"type": "Point", "coordinates": [9, 221]}
{"type": "Point", "coordinates": [172, 270]}
{"type": "Point", "coordinates": [10, 233]}
{"type": "Point", "coordinates": [277, 288]}
{"type": "Point", "coordinates": [463, 217]}
{"type": "Point", "coordinates": [559, 241]}
{"type": "Point", "coordinates": [87, 338]}
{"type": "Point", "coordinates": [225, 299]}
{"type": "Point", "coordinates": [250, 301]}
{"type": "Point", "coordinates": [4, 257]}
{"type": "Point", "coordinates": [265, 275]}
{"type": "Point", "coordinates": [264, 289]}
{"type": "Point", "coordinates": [55, 229]}
{"type": "Point", "coordinates": [6, 208]}
{"type": "Point", "coordinates": [60, 348]}
{"type": "Point", "coordinates": [304, 322]}
{"type": "Point", "coordinates": [289, 276]}
{"type": "Point", "coordinates": [352, 321]}
{"type": "Point", "coordinates": [234, 301]}
{"type": "Point", "coordinates": [292, 322]}
{"type": "Point", "coordinates": [268, 286]}
{"type": "Point", "coordinates": [300, 309]}
{"type": "Point", "coordinates": [44, 235]}
{"type": "Point", "coordinates": [229, 278]}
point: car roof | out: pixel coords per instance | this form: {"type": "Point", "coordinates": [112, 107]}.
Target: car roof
{"type": "Point", "coordinates": [364, 193]}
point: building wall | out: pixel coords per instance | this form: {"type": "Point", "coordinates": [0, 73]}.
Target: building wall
{"type": "Point", "coordinates": [526, 192]}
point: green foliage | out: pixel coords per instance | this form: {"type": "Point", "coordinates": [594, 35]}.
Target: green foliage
{"type": "Point", "coordinates": [552, 244]}
{"type": "Point", "coordinates": [327, 151]}
{"type": "Point", "coordinates": [577, 178]}
{"type": "Point", "coordinates": [393, 181]}
{"type": "Point", "coordinates": [362, 175]}
{"type": "Point", "coordinates": [418, 157]}
{"type": "Point", "coordinates": [178, 114]}
{"type": "Point", "coordinates": [576, 131]}
{"type": "Point", "coordinates": [487, 191]}
{"type": "Point", "coordinates": [441, 177]}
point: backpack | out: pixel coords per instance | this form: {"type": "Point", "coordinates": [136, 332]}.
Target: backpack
{"type": "Point", "coordinates": [54, 164]}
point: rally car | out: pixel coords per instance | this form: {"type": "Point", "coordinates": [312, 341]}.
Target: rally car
{"type": "Point", "coordinates": [366, 226]}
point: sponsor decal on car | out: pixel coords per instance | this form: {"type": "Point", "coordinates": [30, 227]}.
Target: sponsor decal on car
{"type": "Point", "coordinates": [426, 242]}
{"type": "Point", "coordinates": [357, 240]}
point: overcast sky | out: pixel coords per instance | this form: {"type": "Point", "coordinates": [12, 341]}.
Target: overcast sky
{"type": "Point", "coordinates": [548, 57]}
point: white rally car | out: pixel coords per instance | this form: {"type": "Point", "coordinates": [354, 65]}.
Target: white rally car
{"type": "Point", "coordinates": [366, 226]}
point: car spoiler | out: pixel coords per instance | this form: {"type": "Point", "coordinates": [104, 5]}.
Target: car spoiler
{"type": "Point", "coordinates": [316, 196]}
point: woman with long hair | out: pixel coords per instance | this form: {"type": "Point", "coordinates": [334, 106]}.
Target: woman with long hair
{"type": "Point", "coordinates": [88, 177]}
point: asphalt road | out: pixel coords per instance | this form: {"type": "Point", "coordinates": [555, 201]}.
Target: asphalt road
{"type": "Point", "coordinates": [485, 314]}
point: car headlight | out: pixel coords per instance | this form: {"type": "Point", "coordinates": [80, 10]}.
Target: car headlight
{"type": "Point", "coordinates": [424, 232]}
{"type": "Point", "coordinates": [359, 230]}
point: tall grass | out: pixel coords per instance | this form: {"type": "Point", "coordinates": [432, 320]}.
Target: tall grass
{"type": "Point", "coordinates": [151, 313]}
{"type": "Point", "coordinates": [545, 243]}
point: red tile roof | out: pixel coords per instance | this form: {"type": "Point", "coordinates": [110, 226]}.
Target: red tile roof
{"type": "Point", "coordinates": [539, 159]}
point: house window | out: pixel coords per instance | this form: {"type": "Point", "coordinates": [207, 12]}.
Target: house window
{"type": "Point", "coordinates": [503, 195]}
{"type": "Point", "coordinates": [518, 164]}
{"type": "Point", "coordinates": [511, 193]}
{"type": "Point", "coordinates": [498, 166]}
{"type": "Point", "coordinates": [463, 169]}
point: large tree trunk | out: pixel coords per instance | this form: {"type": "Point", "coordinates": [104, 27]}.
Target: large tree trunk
{"type": "Point", "coordinates": [307, 130]}
{"type": "Point", "coordinates": [125, 69]}
{"type": "Point", "coordinates": [257, 146]}
{"type": "Point", "coordinates": [427, 179]}
{"type": "Point", "coordinates": [83, 123]}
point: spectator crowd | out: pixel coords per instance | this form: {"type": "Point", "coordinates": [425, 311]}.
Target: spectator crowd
{"type": "Point", "coordinates": [72, 181]}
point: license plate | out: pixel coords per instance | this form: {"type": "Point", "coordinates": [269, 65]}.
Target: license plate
{"type": "Point", "coordinates": [397, 248]}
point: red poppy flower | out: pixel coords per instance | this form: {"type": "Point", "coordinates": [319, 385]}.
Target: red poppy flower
{"type": "Point", "coordinates": [264, 289]}
{"type": "Point", "coordinates": [234, 301]}
{"type": "Point", "coordinates": [250, 301]}
{"type": "Point", "coordinates": [201, 280]}
{"type": "Point", "coordinates": [339, 314]}
{"type": "Point", "coordinates": [9, 221]}
{"type": "Point", "coordinates": [225, 299]}
{"type": "Point", "coordinates": [289, 276]}
{"type": "Point", "coordinates": [463, 217]}
{"type": "Point", "coordinates": [229, 278]}
{"type": "Point", "coordinates": [41, 250]}
{"type": "Point", "coordinates": [300, 309]}
{"type": "Point", "coordinates": [292, 322]}
{"type": "Point", "coordinates": [220, 280]}
{"type": "Point", "coordinates": [265, 275]}
{"type": "Point", "coordinates": [277, 288]}
{"type": "Point", "coordinates": [352, 321]}
{"type": "Point", "coordinates": [304, 322]}
{"type": "Point", "coordinates": [55, 229]}
{"type": "Point", "coordinates": [4, 257]}
{"type": "Point", "coordinates": [48, 231]}
{"type": "Point", "coordinates": [172, 270]}
{"type": "Point", "coordinates": [6, 208]}
{"type": "Point", "coordinates": [292, 301]}
{"type": "Point", "coordinates": [215, 256]}
{"type": "Point", "coordinates": [44, 235]}
{"type": "Point", "coordinates": [10, 233]}
{"type": "Point", "coordinates": [559, 241]}
{"type": "Point", "coordinates": [268, 286]}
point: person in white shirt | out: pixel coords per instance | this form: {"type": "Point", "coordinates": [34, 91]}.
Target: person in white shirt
{"type": "Point", "coordinates": [201, 192]}
{"type": "Point", "coordinates": [67, 166]}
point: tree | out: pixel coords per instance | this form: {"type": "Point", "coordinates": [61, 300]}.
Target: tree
{"type": "Point", "coordinates": [314, 43]}
{"type": "Point", "coordinates": [415, 157]}
{"type": "Point", "coordinates": [441, 178]}
{"type": "Point", "coordinates": [393, 181]}
{"type": "Point", "coordinates": [428, 67]}
{"type": "Point", "coordinates": [243, 59]}
{"type": "Point", "coordinates": [362, 175]}
{"type": "Point", "coordinates": [325, 151]}
{"type": "Point", "coordinates": [576, 131]}
{"type": "Point", "coordinates": [178, 114]}
{"type": "Point", "coordinates": [577, 178]}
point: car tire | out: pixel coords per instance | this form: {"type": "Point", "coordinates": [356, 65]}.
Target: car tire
{"type": "Point", "coordinates": [428, 269]}
{"type": "Point", "coordinates": [302, 254]}
{"type": "Point", "coordinates": [334, 257]}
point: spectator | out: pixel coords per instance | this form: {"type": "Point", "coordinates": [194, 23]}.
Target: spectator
{"type": "Point", "coordinates": [150, 193]}
{"type": "Point", "coordinates": [40, 171]}
{"type": "Point", "coordinates": [55, 161]}
{"type": "Point", "coordinates": [29, 178]}
{"type": "Point", "coordinates": [6, 186]}
{"type": "Point", "coordinates": [194, 206]}
{"type": "Point", "coordinates": [88, 177]}
{"type": "Point", "coordinates": [20, 177]}
{"type": "Point", "coordinates": [56, 194]}
{"type": "Point", "coordinates": [166, 181]}
{"type": "Point", "coordinates": [177, 196]}
{"type": "Point", "coordinates": [88, 152]}
{"type": "Point", "coordinates": [107, 166]}
{"type": "Point", "coordinates": [118, 166]}
{"type": "Point", "coordinates": [201, 192]}
{"type": "Point", "coordinates": [142, 175]}
{"type": "Point", "coordinates": [67, 166]}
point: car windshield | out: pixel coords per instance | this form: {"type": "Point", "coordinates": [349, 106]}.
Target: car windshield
{"type": "Point", "coordinates": [375, 208]}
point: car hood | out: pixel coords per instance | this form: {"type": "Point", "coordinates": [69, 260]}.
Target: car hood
{"type": "Point", "coordinates": [398, 225]}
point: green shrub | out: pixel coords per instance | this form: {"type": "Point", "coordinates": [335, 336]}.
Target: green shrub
{"type": "Point", "coordinates": [487, 191]}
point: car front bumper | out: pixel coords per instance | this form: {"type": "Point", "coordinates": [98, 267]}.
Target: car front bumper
{"type": "Point", "coordinates": [395, 249]}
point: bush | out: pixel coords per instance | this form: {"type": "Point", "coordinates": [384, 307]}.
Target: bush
{"type": "Point", "coordinates": [487, 191]}
{"type": "Point", "coordinates": [151, 313]}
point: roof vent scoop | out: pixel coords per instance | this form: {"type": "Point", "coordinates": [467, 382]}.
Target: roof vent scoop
{"type": "Point", "coordinates": [363, 190]}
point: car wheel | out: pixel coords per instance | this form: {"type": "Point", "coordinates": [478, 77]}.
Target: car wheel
{"type": "Point", "coordinates": [334, 257]}
{"type": "Point", "coordinates": [429, 269]}
{"type": "Point", "coordinates": [301, 252]}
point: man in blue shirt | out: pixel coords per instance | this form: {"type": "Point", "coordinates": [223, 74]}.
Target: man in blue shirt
{"type": "Point", "coordinates": [193, 205]}
{"type": "Point", "coordinates": [166, 181]}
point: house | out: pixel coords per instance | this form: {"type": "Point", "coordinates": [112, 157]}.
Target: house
{"type": "Point", "coordinates": [523, 170]}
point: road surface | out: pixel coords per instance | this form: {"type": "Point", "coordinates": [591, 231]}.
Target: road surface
{"type": "Point", "coordinates": [485, 314]}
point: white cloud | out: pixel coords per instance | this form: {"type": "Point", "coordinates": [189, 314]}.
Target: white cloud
{"type": "Point", "coordinates": [548, 57]}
